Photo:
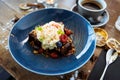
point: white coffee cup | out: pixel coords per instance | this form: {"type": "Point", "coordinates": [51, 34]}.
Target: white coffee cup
{"type": "Point", "coordinates": [91, 9]}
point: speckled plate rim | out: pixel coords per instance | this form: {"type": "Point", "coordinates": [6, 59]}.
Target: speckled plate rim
{"type": "Point", "coordinates": [97, 25]}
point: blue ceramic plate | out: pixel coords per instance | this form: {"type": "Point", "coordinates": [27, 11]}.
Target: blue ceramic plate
{"type": "Point", "coordinates": [83, 39]}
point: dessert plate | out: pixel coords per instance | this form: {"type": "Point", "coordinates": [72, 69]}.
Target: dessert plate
{"type": "Point", "coordinates": [83, 39]}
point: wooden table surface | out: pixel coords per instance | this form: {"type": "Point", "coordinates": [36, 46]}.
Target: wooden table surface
{"type": "Point", "coordinates": [9, 8]}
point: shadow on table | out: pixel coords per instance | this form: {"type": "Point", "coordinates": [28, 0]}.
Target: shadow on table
{"type": "Point", "coordinates": [5, 75]}
{"type": "Point", "coordinates": [112, 73]}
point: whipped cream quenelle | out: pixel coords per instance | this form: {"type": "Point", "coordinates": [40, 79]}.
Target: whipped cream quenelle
{"type": "Point", "coordinates": [49, 34]}
{"type": "Point", "coordinates": [52, 39]}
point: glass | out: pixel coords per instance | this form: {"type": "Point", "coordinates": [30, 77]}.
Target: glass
{"type": "Point", "coordinates": [117, 23]}
{"type": "Point", "coordinates": [40, 1]}
{"type": "Point", "coordinates": [48, 3]}
{"type": "Point", "coordinates": [51, 3]}
{"type": "Point", "coordinates": [3, 36]}
{"type": "Point", "coordinates": [5, 29]}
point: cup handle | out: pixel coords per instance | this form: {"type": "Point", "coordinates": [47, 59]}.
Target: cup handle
{"type": "Point", "coordinates": [91, 38]}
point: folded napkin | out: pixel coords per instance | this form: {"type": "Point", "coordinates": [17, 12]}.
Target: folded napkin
{"type": "Point", "coordinates": [113, 70]}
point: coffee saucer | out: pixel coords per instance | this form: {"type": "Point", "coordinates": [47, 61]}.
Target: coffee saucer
{"type": "Point", "coordinates": [103, 19]}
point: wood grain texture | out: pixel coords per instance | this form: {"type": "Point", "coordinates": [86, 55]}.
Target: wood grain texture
{"type": "Point", "coordinates": [9, 8]}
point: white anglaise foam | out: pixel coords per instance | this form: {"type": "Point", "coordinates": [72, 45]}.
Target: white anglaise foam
{"type": "Point", "coordinates": [49, 34]}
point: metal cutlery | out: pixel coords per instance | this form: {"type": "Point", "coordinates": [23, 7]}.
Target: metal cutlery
{"type": "Point", "coordinates": [111, 56]}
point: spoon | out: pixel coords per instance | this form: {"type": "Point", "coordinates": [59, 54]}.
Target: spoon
{"type": "Point", "coordinates": [111, 56]}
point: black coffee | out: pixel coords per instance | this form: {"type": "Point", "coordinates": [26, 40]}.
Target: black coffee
{"type": "Point", "coordinates": [91, 6]}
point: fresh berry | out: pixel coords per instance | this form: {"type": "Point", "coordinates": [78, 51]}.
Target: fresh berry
{"type": "Point", "coordinates": [68, 32]}
{"type": "Point", "coordinates": [63, 38]}
{"type": "Point", "coordinates": [40, 50]}
{"type": "Point", "coordinates": [54, 55]}
{"type": "Point", "coordinates": [59, 44]}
